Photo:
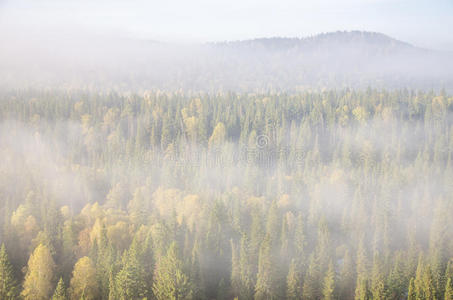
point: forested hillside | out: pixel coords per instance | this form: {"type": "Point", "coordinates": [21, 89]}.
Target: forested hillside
{"type": "Point", "coordinates": [342, 59]}
{"type": "Point", "coordinates": [337, 194]}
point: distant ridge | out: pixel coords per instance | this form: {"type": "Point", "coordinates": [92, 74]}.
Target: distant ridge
{"type": "Point", "coordinates": [345, 37]}
{"type": "Point", "coordinates": [327, 60]}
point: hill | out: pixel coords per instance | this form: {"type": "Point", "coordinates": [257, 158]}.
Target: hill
{"type": "Point", "coordinates": [372, 40]}
{"type": "Point", "coordinates": [329, 60]}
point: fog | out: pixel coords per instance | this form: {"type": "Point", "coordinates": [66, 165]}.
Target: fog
{"type": "Point", "coordinates": [334, 60]}
{"type": "Point", "coordinates": [140, 163]}
{"type": "Point", "coordinates": [134, 47]}
{"type": "Point", "coordinates": [93, 173]}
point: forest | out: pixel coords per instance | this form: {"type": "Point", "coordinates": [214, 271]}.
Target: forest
{"type": "Point", "coordinates": [316, 194]}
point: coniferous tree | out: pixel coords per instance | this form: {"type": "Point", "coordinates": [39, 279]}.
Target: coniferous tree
{"type": "Point", "coordinates": [418, 281]}
{"type": "Point", "coordinates": [60, 291]}
{"type": "Point", "coordinates": [170, 280]}
{"type": "Point", "coordinates": [300, 241]}
{"type": "Point", "coordinates": [429, 290]}
{"type": "Point", "coordinates": [235, 271]}
{"type": "Point", "coordinates": [130, 281]}
{"type": "Point", "coordinates": [411, 294]}
{"type": "Point", "coordinates": [246, 269]}
{"type": "Point", "coordinates": [8, 285]}
{"type": "Point", "coordinates": [448, 290]}
{"type": "Point", "coordinates": [112, 288]}
{"type": "Point", "coordinates": [377, 285]}
{"type": "Point", "coordinates": [195, 274]}
{"type": "Point", "coordinates": [346, 278]}
{"type": "Point", "coordinates": [397, 281]}
{"type": "Point", "coordinates": [294, 282]}
{"type": "Point", "coordinates": [265, 282]}
{"type": "Point", "coordinates": [362, 292]}
{"type": "Point", "coordinates": [328, 292]}
{"type": "Point", "coordinates": [328, 170]}
{"type": "Point", "coordinates": [311, 287]}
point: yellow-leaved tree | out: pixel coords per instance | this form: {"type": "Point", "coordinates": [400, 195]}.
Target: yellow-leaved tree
{"type": "Point", "coordinates": [38, 282]}
{"type": "Point", "coordinates": [218, 135]}
{"type": "Point", "coordinates": [83, 283]}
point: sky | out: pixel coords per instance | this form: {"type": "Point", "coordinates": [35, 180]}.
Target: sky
{"type": "Point", "coordinates": [424, 23]}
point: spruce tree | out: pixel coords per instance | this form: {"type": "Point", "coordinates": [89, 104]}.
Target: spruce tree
{"type": "Point", "coordinates": [294, 282]}
{"type": "Point", "coordinates": [311, 287]}
{"type": "Point", "coordinates": [362, 291]}
{"type": "Point", "coordinates": [377, 284]}
{"type": "Point", "coordinates": [411, 294]}
{"type": "Point", "coordinates": [131, 280]}
{"type": "Point", "coordinates": [8, 285]}
{"type": "Point", "coordinates": [346, 278]}
{"type": "Point", "coordinates": [265, 286]}
{"type": "Point", "coordinates": [429, 290]}
{"type": "Point", "coordinates": [246, 269]}
{"type": "Point", "coordinates": [60, 291]}
{"type": "Point", "coordinates": [112, 288]}
{"type": "Point", "coordinates": [170, 279]}
{"type": "Point", "coordinates": [328, 292]}
{"type": "Point", "coordinates": [235, 271]}
{"type": "Point", "coordinates": [448, 290]}
{"type": "Point", "coordinates": [418, 281]}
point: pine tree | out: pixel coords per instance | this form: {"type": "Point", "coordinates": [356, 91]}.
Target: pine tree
{"type": "Point", "coordinates": [170, 280]}
{"type": "Point", "coordinates": [418, 281]}
{"type": "Point", "coordinates": [137, 207]}
{"type": "Point", "coordinates": [449, 270]}
{"type": "Point", "coordinates": [448, 290]}
{"type": "Point", "coordinates": [311, 287]}
{"type": "Point", "coordinates": [130, 281]}
{"type": "Point", "coordinates": [329, 284]}
{"type": "Point", "coordinates": [104, 266]}
{"type": "Point", "coordinates": [235, 271]}
{"type": "Point", "coordinates": [361, 260]}
{"type": "Point", "coordinates": [437, 246]}
{"type": "Point", "coordinates": [8, 286]}
{"type": "Point", "coordinates": [265, 286]}
{"type": "Point", "coordinates": [294, 282]}
{"type": "Point", "coordinates": [256, 237]}
{"type": "Point", "coordinates": [411, 294]}
{"type": "Point", "coordinates": [397, 281]}
{"type": "Point", "coordinates": [300, 241]}
{"type": "Point", "coordinates": [60, 291]}
{"type": "Point", "coordinates": [377, 284]}
{"type": "Point", "coordinates": [362, 291]}
{"type": "Point", "coordinates": [273, 227]}
{"type": "Point", "coordinates": [112, 288]}
{"type": "Point", "coordinates": [195, 273]}
{"type": "Point", "coordinates": [346, 278]}
{"type": "Point", "coordinates": [216, 262]}
{"type": "Point", "coordinates": [284, 247]}
{"type": "Point", "coordinates": [246, 269]}
{"type": "Point", "coordinates": [429, 290]}
{"type": "Point", "coordinates": [323, 251]}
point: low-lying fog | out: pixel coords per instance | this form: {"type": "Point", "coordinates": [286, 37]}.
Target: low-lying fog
{"type": "Point", "coordinates": [333, 60]}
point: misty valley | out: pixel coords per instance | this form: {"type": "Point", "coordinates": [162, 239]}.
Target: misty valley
{"type": "Point", "coordinates": [332, 193]}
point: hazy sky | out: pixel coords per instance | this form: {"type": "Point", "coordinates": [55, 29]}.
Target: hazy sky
{"type": "Point", "coordinates": [426, 23]}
